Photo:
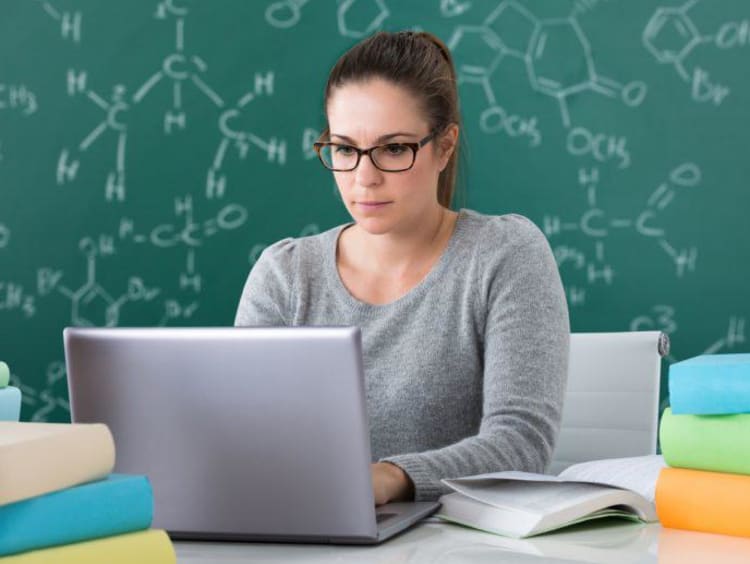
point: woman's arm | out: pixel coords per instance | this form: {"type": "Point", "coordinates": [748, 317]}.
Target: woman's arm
{"type": "Point", "coordinates": [526, 340]}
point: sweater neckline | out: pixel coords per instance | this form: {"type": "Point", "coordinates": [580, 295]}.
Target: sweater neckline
{"type": "Point", "coordinates": [414, 293]}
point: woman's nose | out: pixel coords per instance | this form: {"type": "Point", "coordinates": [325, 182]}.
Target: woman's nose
{"type": "Point", "coordinates": [367, 173]}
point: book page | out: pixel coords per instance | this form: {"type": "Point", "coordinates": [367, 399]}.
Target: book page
{"type": "Point", "coordinates": [635, 473]}
{"type": "Point", "coordinates": [529, 496]}
{"type": "Point", "coordinates": [504, 475]}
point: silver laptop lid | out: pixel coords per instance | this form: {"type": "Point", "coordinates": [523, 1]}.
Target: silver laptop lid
{"type": "Point", "coordinates": [243, 432]}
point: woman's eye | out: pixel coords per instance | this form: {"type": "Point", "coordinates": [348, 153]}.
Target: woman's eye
{"type": "Point", "coordinates": [345, 150]}
{"type": "Point", "coordinates": [395, 149]}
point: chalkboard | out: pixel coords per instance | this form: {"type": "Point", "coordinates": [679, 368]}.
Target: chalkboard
{"type": "Point", "coordinates": [150, 150]}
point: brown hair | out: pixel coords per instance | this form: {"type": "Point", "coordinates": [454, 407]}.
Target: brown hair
{"type": "Point", "coordinates": [419, 62]}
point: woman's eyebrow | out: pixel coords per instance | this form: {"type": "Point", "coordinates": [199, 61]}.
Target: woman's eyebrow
{"type": "Point", "coordinates": [380, 139]}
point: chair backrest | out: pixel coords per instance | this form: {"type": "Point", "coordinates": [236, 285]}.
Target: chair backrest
{"type": "Point", "coordinates": [611, 405]}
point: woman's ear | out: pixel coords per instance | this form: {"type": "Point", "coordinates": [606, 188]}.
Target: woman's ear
{"type": "Point", "coordinates": [447, 143]}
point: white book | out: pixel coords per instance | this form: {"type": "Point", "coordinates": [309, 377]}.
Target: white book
{"type": "Point", "coordinates": [522, 504]}
{"type": "Point", "coordinates": [39, 458]}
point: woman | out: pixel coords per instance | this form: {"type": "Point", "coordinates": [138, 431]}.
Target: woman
{"type": "Point", "coordinates": [463, 315]}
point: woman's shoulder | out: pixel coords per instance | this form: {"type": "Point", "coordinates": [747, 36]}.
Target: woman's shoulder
{"type": "Point", "coordinates": [498, 231]}
{"type": "Point", "coordinates": [286, 253]}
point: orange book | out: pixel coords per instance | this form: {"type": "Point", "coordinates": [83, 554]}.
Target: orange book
{"type": "Point", "coordinates": [711, 502]}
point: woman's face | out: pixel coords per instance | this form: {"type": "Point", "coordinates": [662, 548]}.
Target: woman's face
{"type": "Point", "coordinates": [375, 112]}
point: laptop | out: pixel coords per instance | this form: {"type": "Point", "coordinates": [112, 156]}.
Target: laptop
{"type": "Point", "coordinates": [244, 433]}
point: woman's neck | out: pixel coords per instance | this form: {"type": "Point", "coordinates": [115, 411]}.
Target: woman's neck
{"type": "Point", "coordinates": [399, 253]}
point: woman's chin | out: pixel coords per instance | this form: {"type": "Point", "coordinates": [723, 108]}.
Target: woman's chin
{"type": "Point", "coordinates": [374, 225]}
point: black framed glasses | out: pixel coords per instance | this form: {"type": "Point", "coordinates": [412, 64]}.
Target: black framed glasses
{"type": "Point", "coordinates": [389, 157]}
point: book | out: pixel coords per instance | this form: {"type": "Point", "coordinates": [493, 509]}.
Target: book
{"type": "Point", "coordinates": [710, 384]}
{"type": "Point", "coordinates": [4, 374]}
{"type": "Point", "coordinates": [38, 458]}
{"type": "Point", "coordinates": [10, 403]}
{"type": "Point", "coordinates": [118, 504]}
{"type": "Point", "coordinates": [711, 502]}
{"type": "Point", "coordinates": [717, 443]}
{"type": "Point", "coordinates": [149, 547]}
{"type": "Point", "coordinates": [523, 504]}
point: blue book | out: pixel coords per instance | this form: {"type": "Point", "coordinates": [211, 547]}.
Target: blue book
{"type": "Point", "coordinates": [117, 504]}
{"type": "Point", "coordinates": [710, 384]}
{"type": "Point", "coordinates": [10, 404]}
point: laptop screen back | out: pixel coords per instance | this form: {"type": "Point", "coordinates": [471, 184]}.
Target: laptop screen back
{"type": "Point", "coordinates": [243, 432]}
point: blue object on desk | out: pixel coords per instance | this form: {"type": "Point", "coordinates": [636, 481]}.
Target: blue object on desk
{"type": "Point", "coordinates": [118, 504]}
{"type": "Point", "coordinates": [10, 404]}
{"type": "Point", "coordinates": [710, 384]}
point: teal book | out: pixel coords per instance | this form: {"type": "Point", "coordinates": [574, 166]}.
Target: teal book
{"type": "Point", "coordinates": [710, 384]}
{"type": "Point", "coordinates": [10, 404]}
{"type": "Point", "coordinates": [112, 506]}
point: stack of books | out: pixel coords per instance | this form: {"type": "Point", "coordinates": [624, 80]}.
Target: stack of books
{"type": "Point", "coordinates": [10, 396]}
{"type": "Point", "coordinates": [705, 440]}
{"type": "Point", "coordinates": [60, 503]}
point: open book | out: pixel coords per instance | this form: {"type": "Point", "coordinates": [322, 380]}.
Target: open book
{"type": "Point", "coordinates": [521, 504]}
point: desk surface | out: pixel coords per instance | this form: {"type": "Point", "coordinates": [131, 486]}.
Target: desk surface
{"type": "Point", "coordinates": [610, 541]}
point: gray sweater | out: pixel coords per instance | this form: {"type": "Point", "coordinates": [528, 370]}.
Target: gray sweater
{"type": "Point", "coordinates": [465, 374]}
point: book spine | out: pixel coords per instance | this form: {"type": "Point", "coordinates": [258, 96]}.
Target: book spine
{"type": "Point", "coordinates": [709, 389]}
{"type": "Point", "coordinates": [116, 505]}
{"type": "Point", "coordinates": [716, 443]}
{"type": "Point", "coordinates": [709, 502]}
{"type": "Point", "coordinates": [152, 546]}
{"type": "Point", "coordinates": [10, 404]}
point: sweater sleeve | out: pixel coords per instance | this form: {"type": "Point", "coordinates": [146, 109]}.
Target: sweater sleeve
{"type": "Point", "coordinates": [265, 299]}
{"type": "Point", "coordinates": [526, 342]}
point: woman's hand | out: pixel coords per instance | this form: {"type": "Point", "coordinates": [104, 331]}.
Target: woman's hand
{"type": "Point", "coordinates": [390, 483]}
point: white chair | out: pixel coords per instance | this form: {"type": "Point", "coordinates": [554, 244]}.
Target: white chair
{"type": "Point", "coordinates": [611, 405]}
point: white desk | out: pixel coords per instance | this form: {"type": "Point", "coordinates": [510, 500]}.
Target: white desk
{"type": "Point", "coordinates": [609, 542]}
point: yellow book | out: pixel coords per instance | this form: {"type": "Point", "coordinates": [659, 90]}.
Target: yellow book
{"type": "Point", "coordinates": [144, 547]}
{"type": "Point", "coordinates": [39, 458]}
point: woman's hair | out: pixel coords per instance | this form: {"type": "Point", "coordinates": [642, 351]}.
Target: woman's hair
{"type": "Point", "coordinates": [419, 62]}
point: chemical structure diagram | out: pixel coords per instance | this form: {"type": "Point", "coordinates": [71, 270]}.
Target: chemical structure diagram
{"type": "Point", "coordinates": [21, 99]}
{"type": "Point", "coordinates": [453, 8]}
{"type": "Point", "coordinates": [70, 22]}
{"type": "Point", "coordinates": [596, 224]}
{"type": "Point", "coordinates": [14, 297]}
{"type": "Point", "coordinates": [18, 97]}
{"type": "Point", "coordinates": [179, 68]}
{"type": "Point", "coordinates": [734, 336]}
{"type": "Point", "coordinates": [662, 318]}
{"type": "Point", "coordinates": [190, 235]}
{"type": "Point", "coordinates": [91, 304]}
{"type": "Point", "coordinates": [671, 36]}
{"type": "Point", "coordinates": [4, 229]}
{"type": "Point", "coordinates": [511, 30]}
{"type": "Point", "coordinates": [274, 149]}
{"type": "Point", "coordinates": [355, 18]}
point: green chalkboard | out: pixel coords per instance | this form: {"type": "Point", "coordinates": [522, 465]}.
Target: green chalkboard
{"type": "Point", "coordinates": [149, 150]}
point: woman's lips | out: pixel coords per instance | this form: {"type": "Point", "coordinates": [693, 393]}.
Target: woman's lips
{"type": "Point", "coordinates": [372, 205]}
